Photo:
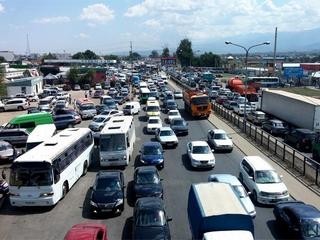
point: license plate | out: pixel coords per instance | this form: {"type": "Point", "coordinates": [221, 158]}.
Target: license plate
{"type": "Point", "coordinates": [29, 202]}
{"type": "Point", "coordinates": [106, 210]}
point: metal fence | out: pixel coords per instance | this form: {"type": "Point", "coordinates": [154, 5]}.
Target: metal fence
{"type": "Point", "coordinates": [289, 157]}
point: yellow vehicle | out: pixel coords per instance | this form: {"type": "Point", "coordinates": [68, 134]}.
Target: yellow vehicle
{"type": "Point", "coordinates": [197, 103]}
{"type": "Point", "coordinates": [153, 108]}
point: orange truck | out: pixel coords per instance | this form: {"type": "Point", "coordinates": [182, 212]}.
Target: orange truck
{"type": "Point", "coordinates": [197, 103]}
{"type": "Point", "coordinates": [235, 84]}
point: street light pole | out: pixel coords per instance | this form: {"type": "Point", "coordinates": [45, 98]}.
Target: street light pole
{"type": "Point", "coordinates": [246, 74]}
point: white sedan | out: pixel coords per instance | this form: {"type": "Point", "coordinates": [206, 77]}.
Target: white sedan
{"type": "Point", "coordinates": [200, 154]}
{"type": "Point", "coordinates": [166, 136]}
{"type": "Point", "coordinates": [153, 124]}
{"type": "Point", "coordinates": [219, 140]}
{"type": "Point", "coordinates": [173, 114]}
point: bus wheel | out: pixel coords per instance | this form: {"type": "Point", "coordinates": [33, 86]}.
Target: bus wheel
{"type": "Point", "coordinates": [85, 168]}
{"type": "Point", "coordinates": [65, 189]}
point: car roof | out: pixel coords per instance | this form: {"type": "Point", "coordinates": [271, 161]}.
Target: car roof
{"type": "Point", "coordinates": [258, 163]}
{"type": "Point", "coordinates": [226, 178]}
{"type": "Point", "coordinates": [150, 203]}
{"type": "Point", "coordinates": [219, 131]}
{"type": "Point", "coordinates": [165, 128]}
{"type": "Point", "coordinates": [300, 209]}
{"type": "Point", "coordinates": [199, 143]}
{"type": "Point", "coordinates": [154, 117]}
{"type": "Point", "coordinates": [147, 144]}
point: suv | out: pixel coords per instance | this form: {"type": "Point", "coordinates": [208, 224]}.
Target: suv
{"type": "Point", "coordinates": [301, 139]}
{"type": "Point", "coordinates": [14, 104]}
{"type": "Point", "coordinates": [274, 126]}
{"type": "Point", "coordinates": [15, 136]}
{"type": "Point", "coordinates": [64, 121]}
{"type": "Point", "coordinates": [262, 181]}
{"type": "Point", "coordinates": [257, 117]}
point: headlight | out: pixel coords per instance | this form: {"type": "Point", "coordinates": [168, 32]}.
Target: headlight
{"type": "Point", "coordinates": [125, 157]}
{"type": "Point", "coordinates": [46, 194]}
{"type": "Point", "coordinates": [92, 203]}
{"type": "Point", "coordinates": [119, 202]}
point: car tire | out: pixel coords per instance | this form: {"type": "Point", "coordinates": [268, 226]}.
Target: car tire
{"type": "Point", "coordinates": [65, 189]}
{"type": "Point", "coordinates": [2, 109]}
{"type": "Point", "coordinates": [85, 168]}
{"type": "Point", "coordinates": [255, 197]}
{"type": "Point", "coordinates": [20, 108]}
{"type": "Point", "coordinates": [70, 126]}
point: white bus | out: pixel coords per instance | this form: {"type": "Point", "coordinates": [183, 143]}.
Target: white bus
{"type": "Point", "coordinates": [116, 141]}
{"type": "Point", "coordinates": [264, 82]}
{"type": "Point", "coordinates": [43, 175]}
{"type": "Point", "coordinates": [40, 134]}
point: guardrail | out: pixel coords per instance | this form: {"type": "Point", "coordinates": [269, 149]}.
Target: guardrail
{"type": "Point", "coordinates": [287, 156]}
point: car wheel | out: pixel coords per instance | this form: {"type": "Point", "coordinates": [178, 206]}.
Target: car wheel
{"type": "Point", "coordinates": [298, 147]}
{"type": "Point", "coordinates": [271, 132]}
{"type": "Point", "coordinates": [85, 168]}
{"type": "Point", "coordinates": [70, 126]}
{"type": "Point", "coordinates": [20, 108]}
{"type": "Point", "coordinates": [1, 109]}
{"type": "Point", "coordinates": [64, 189]}
{"type": "Point", "coordinates": [255, 197]}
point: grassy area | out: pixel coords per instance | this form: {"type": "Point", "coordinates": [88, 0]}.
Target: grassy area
{"type": "Point", "coordinates": [302, 91]}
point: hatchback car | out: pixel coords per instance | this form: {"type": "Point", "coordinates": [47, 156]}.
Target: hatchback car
{"type": "Point", "coordinates": [98, 122]}
{"type": "Point", "coordinates": [150, 220]}
{"type": "Point", "coordinates": [200, 154]}
{"type": "Point", "coordinates": [219, 140]}
{"type": "Point", "coordinates": [238, 189]}
{"type": "Point", "coordinates": [179, 126]}
{"type": "Point", "coordinates": [166, 136]}
{"type": "Point", "coordinates": [301, 219]}
{"type": "Point", "coordinates": [147, 182]}
{"type": "Point", "coordinates": [274, 126]}
{"type": "Point", "coordinates": [153, 124]}
{"type": "Point", "coordinates": [65, 121]}
{"type": "Point", "coordinates": [172, 114]}
{"type": "Point", "coordinates": [262, 181]}
{"type": "Point", "coordinates": [177, 94]}
{"type": "Point", "coordinates": [92, 231]}
{"type": "Point", "coordinates": [170, 105]}
{"type": "Point", "coordinates": [151, 153]}
{"type": "Point", "coordinates": [108, 192]}
{"type": "Point", "coordinates": [301, 139]}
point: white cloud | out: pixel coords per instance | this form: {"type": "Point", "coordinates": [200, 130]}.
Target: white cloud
{"type": "Point", "coordinates": [82, 35]}
{"type": "Point", "coordinates": [1, 8]}
{"type": "Point", "coordinates": [208, 19]}
{"type": "Point", "coordinates": [97, 13]}
{"type": "Point", "coordinates": [49, 20]}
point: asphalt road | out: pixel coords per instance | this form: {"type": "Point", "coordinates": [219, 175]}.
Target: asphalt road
{"type": "Point", "coordinates": [53, 223]}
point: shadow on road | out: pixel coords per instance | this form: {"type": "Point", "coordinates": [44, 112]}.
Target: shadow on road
{"type": "Point", "coordinates": [130, 194]}
{"type": "Point", "coordinates": [127, 229]}
{"type": "Point", "coordinates": [278, 231]}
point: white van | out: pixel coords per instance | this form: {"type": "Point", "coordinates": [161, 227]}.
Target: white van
{"type": "Point", "coordinates": [131, 108]}
{"type": "Point", "coordinates": [40, 134]}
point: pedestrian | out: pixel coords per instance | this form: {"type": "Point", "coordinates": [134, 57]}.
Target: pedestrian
{"type": "Point", "coordinates": [86, 94]}
{"type": "Point", "coordinates": [90, 93]}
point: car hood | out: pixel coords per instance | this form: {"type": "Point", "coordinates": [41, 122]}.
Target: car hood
{"type": "Point", "coordinates": [223, 141]}
{"type": "Point", "coordinates": [168, 138]}
{"type": "Point", "coordinates": [272, 187]}
{"type": "Point", "coordinates": [152, 158]}
{"type": "Point", "coordinates": [154, 125]}
{"type": "Point", "coordinates": [96, 124]}
{"type": "Point", "coordinates": [148, 189]}
{"type": "Point", "coordinates": [147, 233]}
{"type": "Point", "coordinates": [106, 197]}
{"type": "Point", "coordinates": [179, 127]}
{"type": "Point", "coordinates": [202, 157]}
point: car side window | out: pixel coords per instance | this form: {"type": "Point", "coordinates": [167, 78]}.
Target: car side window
{"type": "Point", "coordinates": [247, 168]}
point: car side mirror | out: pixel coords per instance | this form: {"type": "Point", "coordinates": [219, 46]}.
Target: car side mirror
{"type": "Point", "coordinates": [161, 179]}
{"type": "Point", "coordinates": [169, 219]}
{"type": "Point", "coordinates": [212, 150]}
{"type": "Point", "coordinates": [249, 193]}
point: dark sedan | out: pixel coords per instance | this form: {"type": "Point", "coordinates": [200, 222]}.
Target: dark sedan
{"type": "Point", "coordinates": [64, 121]}
{"type": "Point", "coordinates": [170, 105]}
{"type": "Point", "coordinates": [108, 192]}
{"type": "Point", "coordinates": [152, 154]}
{"type": "Point", "coordinates": [179, 126]}
{"type": "Point", "coordinates": [302, 220]}
{"type": "Point", "coordinates": [147, 182]}
{"type": "Point", "coordinates": [150, 220]}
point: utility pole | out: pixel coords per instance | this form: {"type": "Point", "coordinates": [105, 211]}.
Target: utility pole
{"type": "Point", "coordinates": [274, 51]}
{"type": "Point", "coordinates": [28, 47]}
{"type": "Point", "coordinates": [131, 60]}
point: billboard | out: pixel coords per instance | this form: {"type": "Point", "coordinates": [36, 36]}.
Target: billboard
{"type": "Point", "coordinates": [293, 72]}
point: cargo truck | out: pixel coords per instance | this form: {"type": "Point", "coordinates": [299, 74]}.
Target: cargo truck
{"type": "Point", "coordinates": [197, 103]}
{"type": "Point", "coordinates": [215, 212]}
{"type": "Point", "coordinates": [298, 110]}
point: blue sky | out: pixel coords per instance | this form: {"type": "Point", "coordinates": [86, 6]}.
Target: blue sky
{"type": "Point", "coordinates": [109, 26]}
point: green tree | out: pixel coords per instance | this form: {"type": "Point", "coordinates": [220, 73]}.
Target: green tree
{"type": "Point", "coordinates": [135, 56]}
{"type": "Point", "coordinates": [2, 59]}
{"type": "Point", "coordinates": [73, 76]}
{"type": "Point", "coordinates": [88, 54]}
{"type": "Point", "coordinates": [184, 52]}
{"type": "Point", "coordinates": [154, 54]}
{"type": "Point", "coordinates": [87, 77]}
{"type": "Point", "coordinates": [49, 56]}
{"type": "Point", "coordinates": [165, 52]}
{"type": "Point", "coordinates": [207, 60]}
{"type": "Point", "coordinates": [111, 57]}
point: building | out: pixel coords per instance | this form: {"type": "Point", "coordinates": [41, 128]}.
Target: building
{"type": "Point", "coordinates": [29, 85]}
{"type": "Point", "coordinates": [8, 56]}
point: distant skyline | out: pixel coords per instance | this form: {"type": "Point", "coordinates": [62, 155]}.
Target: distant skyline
{"type": "Point", "coordinates": [108, 26]}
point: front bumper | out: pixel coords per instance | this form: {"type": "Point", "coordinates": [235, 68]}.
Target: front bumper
{"type": "Point", "coordinates": [202, 164]}
{"type": "Point", "coordinates": [271, 200]}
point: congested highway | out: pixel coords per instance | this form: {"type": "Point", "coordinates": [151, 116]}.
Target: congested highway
{"type": "Point", "coordinates": [177, 175]}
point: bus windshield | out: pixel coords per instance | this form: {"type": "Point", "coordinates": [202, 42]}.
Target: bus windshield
{"type": "Point", "coordinates": [31, 174]}
{"type": "Point", "coordinates": [113, 142]}
{"type": "Point", "coordinates": [200, 100]}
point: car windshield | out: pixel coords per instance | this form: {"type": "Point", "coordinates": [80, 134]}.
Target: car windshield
{"type": "Point", "coordinates": [99, 119]}
{"type": "Point", "coordinates": [173, 113]}
{"type": "Point", "coordinates": [200, 149]}
{"type": "Point", "coordinates": [153, 109]}
{"type": "Point", "coordinates": [154, 121]}
{"type": "Point", "coordinates": [278, 124]}
{"type": "Point", "coordinates": [151, 150]}
{"type": "Point", "coordinates": [200, 100]}
{"type": "Point", "coordinates": [241, 192]}
{"type": "Point", "coordinates": [220, 136]}
{"type": "Point", "coordinates": [37, 174]}
{"type": "Point", "coordinates": [127, 107]}
{"type": "Point", "coordinates": [169, 103]}
{"type": "Point", "coordinates": [87, 107]}
{"type": "Point", "coordinates": [4, 146]}
{"type": "Point", "coordinates": [150, 218]}
{"type": "Point", "coordinates": [165, 133]}
{"type": "Point", "coordinates": [179, 122]}
{"type": "Point", "coordinates": [112, 142]}
{"type": "Point", "coordinates": [108, 184]}
{"type": "Point", "coordinates": [267, 176]}
{"type": "Point", "coordinates": [147, 177]}
{"type": "Point", "coordinates": [310, 228]}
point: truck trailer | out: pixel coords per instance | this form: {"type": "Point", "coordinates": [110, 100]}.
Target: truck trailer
{"type": "Point", "coordinates": [298, 110]}
{"type": "Point", "coordinates": [213, 208]}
